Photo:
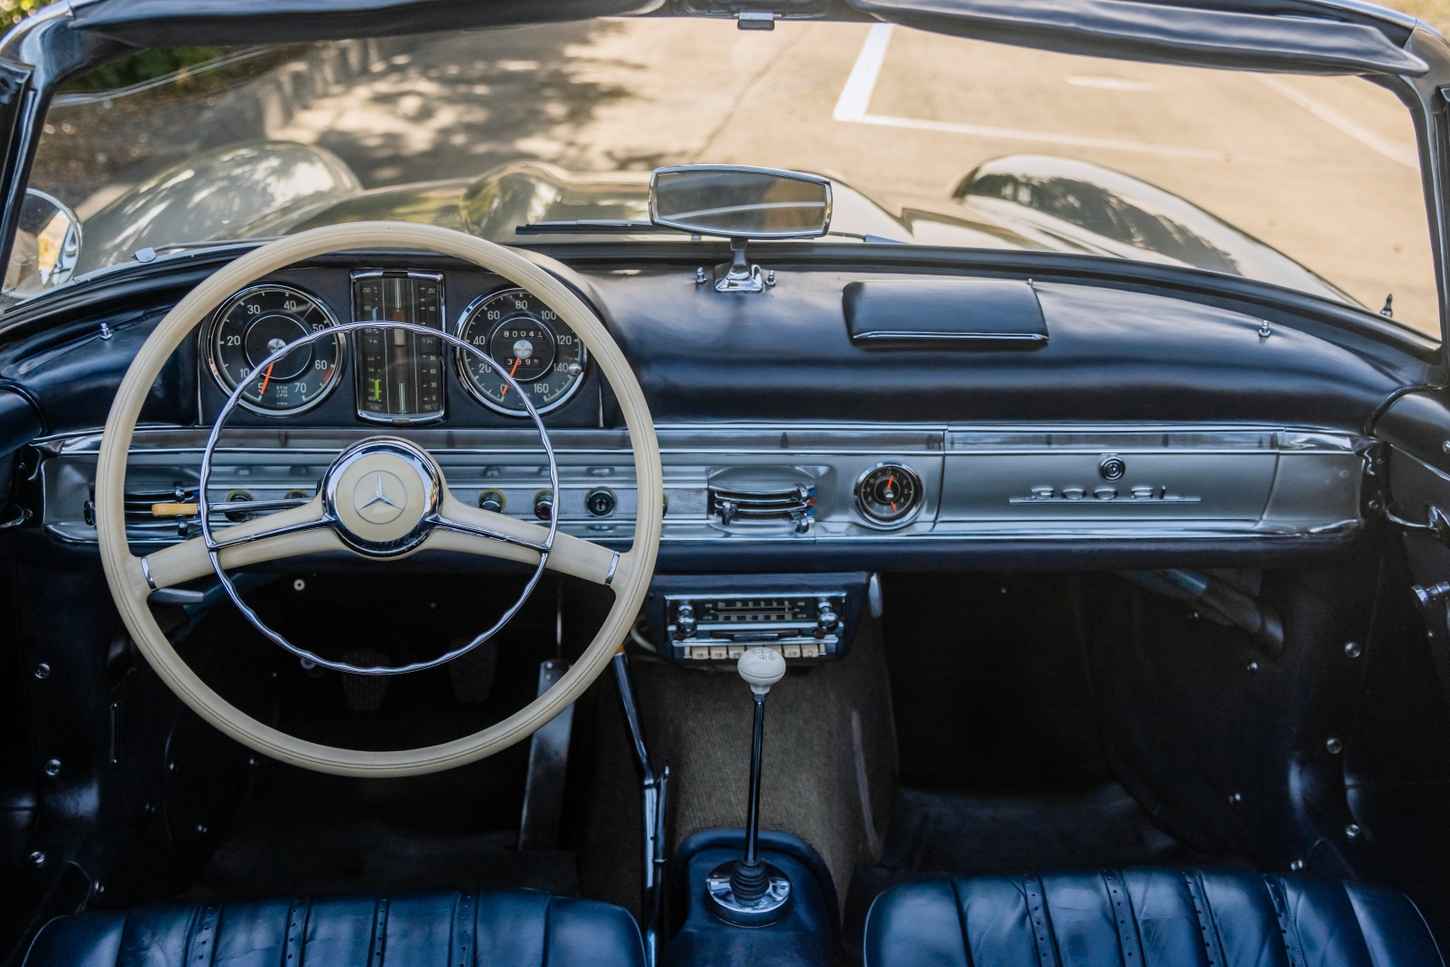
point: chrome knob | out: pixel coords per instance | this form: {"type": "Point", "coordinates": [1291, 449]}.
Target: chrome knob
{"type": "Point", "coordinates": [685, 623]}
{"type": "Point", "coordinates": [826, 619]}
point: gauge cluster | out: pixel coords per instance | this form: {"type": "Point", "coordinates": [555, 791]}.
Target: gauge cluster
{"type": "Point", "coordinates": [398, 376]}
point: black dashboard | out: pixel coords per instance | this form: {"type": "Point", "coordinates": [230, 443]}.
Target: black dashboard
{"type": "Point", "coordinates": [1149, 423]}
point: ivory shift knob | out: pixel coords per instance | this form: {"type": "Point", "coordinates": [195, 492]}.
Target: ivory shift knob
{"type": "Point", "coordinates": [761, 668]}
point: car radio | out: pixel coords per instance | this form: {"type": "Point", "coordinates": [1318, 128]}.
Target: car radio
{"type": "Point", "coordinates": [718, 619]}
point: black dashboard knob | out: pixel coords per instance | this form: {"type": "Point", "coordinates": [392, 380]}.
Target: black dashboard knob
{"type": "Point", "coordinates": [1112, 468]}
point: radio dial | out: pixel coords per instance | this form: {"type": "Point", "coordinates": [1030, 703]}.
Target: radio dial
{"type": "Point", "coordinates": [685, 624]}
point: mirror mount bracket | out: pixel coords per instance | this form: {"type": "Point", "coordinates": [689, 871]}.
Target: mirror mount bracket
{"type": "Point", "coordinates": [743, 276]}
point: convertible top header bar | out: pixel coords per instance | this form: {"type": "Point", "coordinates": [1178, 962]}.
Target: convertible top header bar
{"type": "Point", "coordinates": [1299, 36]}
{"type": "Point", "coordinates": [164, 23]}
{"type": "Point", "coordinates": [1195, 35]}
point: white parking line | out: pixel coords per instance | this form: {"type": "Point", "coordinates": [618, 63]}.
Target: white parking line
{"type": "Point", "coordinates": [856, 95]}
{"type": "Point", "coordinates": [855, 99]}
{"type": "Point", "coordinates": [1403, 154]}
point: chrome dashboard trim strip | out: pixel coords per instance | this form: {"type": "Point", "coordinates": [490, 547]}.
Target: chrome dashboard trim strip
{"type": "Point", "coordinates": [984, 483]}
{"type": "Point", "coordinates": [726, 438]}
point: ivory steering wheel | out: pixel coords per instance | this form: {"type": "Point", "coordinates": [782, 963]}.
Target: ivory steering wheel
{"type": "Point", "coordinates": [430, 519]}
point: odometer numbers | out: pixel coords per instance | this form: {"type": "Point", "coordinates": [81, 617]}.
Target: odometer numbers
{"type": "Point", "coordinates": [255, 323]}
{"type": "Point", "coordinates": [530, 342]}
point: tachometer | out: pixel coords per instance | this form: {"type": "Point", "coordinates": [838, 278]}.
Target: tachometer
{"type": "Point", "coordinates": [530, 342]}
{"type": "Point", "coordinates": [257, 322]}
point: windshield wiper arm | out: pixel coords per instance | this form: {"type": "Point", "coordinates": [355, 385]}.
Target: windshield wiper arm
{"type": "Point", "coordinates": [590, 226]}
{"type": "Point", "coordinates": [874, 239]}
{"type": "Point", "coordinates": [149, 253]}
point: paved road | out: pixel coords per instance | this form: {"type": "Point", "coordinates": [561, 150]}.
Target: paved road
{"type": "Point", "coordinates": [1323, 168]}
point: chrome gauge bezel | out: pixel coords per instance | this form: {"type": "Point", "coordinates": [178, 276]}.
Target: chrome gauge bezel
{"type": "Point", "coordinates": [208, 349]}
{"type": "Point", "coordinates": [895, 524]}
{"type": "Point", "coordinates": [461, 368]}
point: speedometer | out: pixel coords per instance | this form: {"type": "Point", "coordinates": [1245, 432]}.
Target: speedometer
{"type": "Point", "coordinates": [528, 341]}
{"type": "Point", "coordinates": [254, 324]}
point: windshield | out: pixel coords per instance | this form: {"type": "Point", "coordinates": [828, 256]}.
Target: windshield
{"type": "Point", "coordinates": [1307, 182]}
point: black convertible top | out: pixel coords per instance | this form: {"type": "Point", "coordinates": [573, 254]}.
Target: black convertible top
{"type": "Point", "coordinates": [1310, 36]}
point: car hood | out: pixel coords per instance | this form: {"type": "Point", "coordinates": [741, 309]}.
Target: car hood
{"type": "Point", "coordinates": [1016, 202]}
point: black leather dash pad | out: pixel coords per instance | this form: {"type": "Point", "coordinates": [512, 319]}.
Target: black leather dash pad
{"type": "Point", "coordinates": [966, 313]}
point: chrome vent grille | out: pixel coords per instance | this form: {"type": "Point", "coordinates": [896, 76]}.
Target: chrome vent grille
{"type": "Point", "coordinates": [138, 503]}
{"type": "Point", "coordinates": [736, 502]}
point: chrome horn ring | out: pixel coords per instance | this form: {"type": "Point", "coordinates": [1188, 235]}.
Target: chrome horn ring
{"type": "Point", "coordinates": [329, 487]}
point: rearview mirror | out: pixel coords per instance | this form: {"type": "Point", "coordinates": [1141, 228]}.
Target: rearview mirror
{"type": "Point", "coordinates": [740, 202]}
{"type": "Point", "coordinates": [47, 244]}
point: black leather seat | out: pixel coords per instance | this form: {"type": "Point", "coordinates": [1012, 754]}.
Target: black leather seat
{"type": "Point", "coordinates": [520, 928]}
{"type": "Point", "coordinates": [1145, 918]}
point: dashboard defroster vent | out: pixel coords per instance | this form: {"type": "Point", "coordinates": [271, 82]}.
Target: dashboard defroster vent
{"type": "Point", "coordinates": [763, 495]}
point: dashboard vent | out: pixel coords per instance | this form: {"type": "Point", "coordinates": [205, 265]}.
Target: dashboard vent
{"type": "Point", "coordinates": [763, 495]}
{"type": "Point", "coordinates": [138, 503]}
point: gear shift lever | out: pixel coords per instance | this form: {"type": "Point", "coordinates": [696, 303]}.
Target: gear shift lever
{"type": "Point", "coordinates": [749, 892]}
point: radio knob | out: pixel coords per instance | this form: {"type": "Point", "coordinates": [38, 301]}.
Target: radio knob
{"type": "Point", "coordinates": [826, 619]}
{"type": "Point", "coordinates": [685, 624]}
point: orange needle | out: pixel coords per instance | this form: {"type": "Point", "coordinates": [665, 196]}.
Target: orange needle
{"type": "Point", "coordinates": [505, 392]}
{"type": "Point", "coordinates": [266, 378]}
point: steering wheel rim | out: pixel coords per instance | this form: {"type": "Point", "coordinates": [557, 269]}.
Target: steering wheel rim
{"type": "Point", "coordinates": [132, 579]}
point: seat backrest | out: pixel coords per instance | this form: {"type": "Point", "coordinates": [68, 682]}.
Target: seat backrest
{"type": "Point", "coordinates": [519, 928]}
{"type": "Point", "coordinates": [1145, 918]}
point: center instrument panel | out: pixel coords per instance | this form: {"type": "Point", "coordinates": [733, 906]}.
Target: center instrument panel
{"type": "Point", "coordinates": [391, 376]}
